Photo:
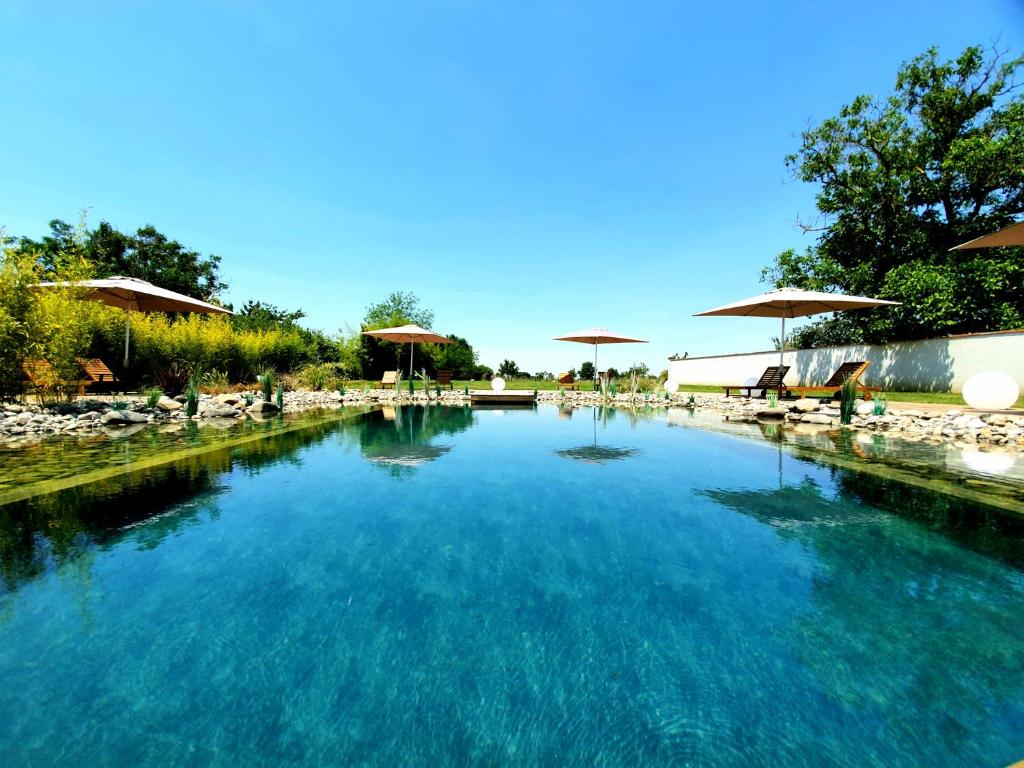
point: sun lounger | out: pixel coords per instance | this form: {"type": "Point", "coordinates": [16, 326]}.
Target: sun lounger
{"type": "Point", "coordinates": [444, 379]}
{"type": "Point", "coordinates": [97, 373]}
{"type": "Point", "coordinates": [41, 377]}
{"type": "Point", "coordinates": [388, 379]}
{"type": "Point", "coordinates": [852, 371]}
{"type": "Point", "coordinates": [770, 379]}
{"type": "Point", "coordinates": [566, 381]}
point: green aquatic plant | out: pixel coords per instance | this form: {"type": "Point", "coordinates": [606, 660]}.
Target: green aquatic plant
{"type": "Point", "coordinates": [192, 394]}
{"type": "Point", "coordinates": [691, 402]}
{"type": "Point", "coordinates": [773, 399]}
{"type": "Point", "coordinates": [847, 399]}
{"type": "Point", "coordinates": [465, 390]}
{"type": "Point", "coordinates": [879, 405]}
{"type": "Point", "coordinates": [341, 390]}
{"type": "Point", "coordinates": [119, 405]}
{"type": "Point", "coordinates": [266, 382]}
{"type": "Point", "coordinates": [279, 399]}
{"type": "Point", "coordinates": [153, 395]}
{"type": "Point", "coordinates": [249, 399]}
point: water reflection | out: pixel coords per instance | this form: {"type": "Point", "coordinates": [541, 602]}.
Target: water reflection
{"type": "Point", "coordinates": [875, 574]}
{"type": "Point", "coordinates": [401, 439]}
{"type": "Point", "coordinates": [48, 528]}
{"type": "Point", "coordinates": [594, 453]}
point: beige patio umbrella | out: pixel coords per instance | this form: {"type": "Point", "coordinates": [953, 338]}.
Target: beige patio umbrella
{"type": "Point", "coordinates": [597, 336]}
{"type": "Point", "coordinates": [410, 334]}
{"type": "Point", "coordinates": [134, 295]}
{"type": "Point", "coordinates": [1007, 236]}
{"type": "Point", "coordinates": [793, 302]}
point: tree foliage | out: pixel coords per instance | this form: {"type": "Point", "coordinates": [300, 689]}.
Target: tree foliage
{"type": "Point", "coordinates": [903, 179]}
{"type": "Point", "coordinates": [508, 369]}
{"type": "Point", "coordinates": [147, 254]}
{"type": "Point", "coordinates": [587, 370]}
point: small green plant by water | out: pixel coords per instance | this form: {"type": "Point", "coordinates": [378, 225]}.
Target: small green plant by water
{"type": "Point", "coordinates": [879, 405]}
{"type": "Point", "coordinates": [279, 399]}
{"type": "Point", "coordinates": [153, 395]}
{"type": "Point", "coordinates": [266, 382]}
{"type": "Point", "coordinates": [192, 394]}
{"type": "Point", "coordinates": [847, 398]}
{"type": "Point", "coordinates": [773, 399]}
{"type": "Point", "coordinates": [119, 405]}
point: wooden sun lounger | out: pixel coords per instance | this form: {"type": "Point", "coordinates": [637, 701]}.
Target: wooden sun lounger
{"type": "Point", "coordinates": [831, 387]}
{"type": "Point", "coordinates": [97, 372]}
{"type": "Point", "coordinates": [40, 375]}
{"type": "Point", "coordinates": [389, 379]}
{"type": "Point", "coordinates": [566, 381]}
{"type": "Point", "coordinates": [770, 379]}
{"type": "Point", "coordinates": [444, 379]}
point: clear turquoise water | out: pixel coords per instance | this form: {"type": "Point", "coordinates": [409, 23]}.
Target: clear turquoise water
{"type": "Point", "coordinates": [509, 588]}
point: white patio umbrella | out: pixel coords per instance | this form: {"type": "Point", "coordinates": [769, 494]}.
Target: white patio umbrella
{"type": "Point", "coordinates": [134, 295]}
{"type": "Point", "coordinates": [597, 336]}
{"type": "Point", "coordinates": [793, 302]}
{"type": "Point", "coordinates": [411, 334]}
{"type": "Point", "coordinates": [1007, 236]}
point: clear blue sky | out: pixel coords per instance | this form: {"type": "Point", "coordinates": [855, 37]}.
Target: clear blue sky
{"type": "Point", "coordinates": [527, 169]}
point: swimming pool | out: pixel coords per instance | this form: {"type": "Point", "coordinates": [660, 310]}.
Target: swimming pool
{"type": "Point", "coordinates": [448, 586]}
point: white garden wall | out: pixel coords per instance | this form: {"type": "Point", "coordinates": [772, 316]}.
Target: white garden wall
{"type": "Point", "coordinates": [929, 365]}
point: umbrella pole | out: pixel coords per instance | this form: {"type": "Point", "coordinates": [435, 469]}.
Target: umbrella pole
{"type": "Point", "coordinates": [127, 333]}
{"type": "Point", "coordinates": [595, 367]}
{"type": "Point", "coordinates": [782, 347]}
{"type": "Point", "coordinates": [410, 361]}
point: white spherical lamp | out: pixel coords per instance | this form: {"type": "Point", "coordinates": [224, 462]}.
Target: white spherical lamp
{"type": "Point", "coordinates": [990, 391]}
{"type": "Point", "coordinates": [671, 386]}
{"type": "Point", "coordinates": [498, 384]}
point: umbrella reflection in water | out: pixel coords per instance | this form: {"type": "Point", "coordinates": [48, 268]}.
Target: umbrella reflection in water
{"type": "Point", "coordinates": [594, 453]}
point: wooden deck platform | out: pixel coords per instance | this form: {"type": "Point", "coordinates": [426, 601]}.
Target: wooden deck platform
{"type": "Point", "coordinates": [487, 397]}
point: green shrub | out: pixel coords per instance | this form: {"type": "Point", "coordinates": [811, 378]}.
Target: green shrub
{"type": "Point", "coordinates": [880, 404]}
{"type": "Point", "coordinates": [192, 394]}
{"type": "Point", "coordinates": [266, 382]}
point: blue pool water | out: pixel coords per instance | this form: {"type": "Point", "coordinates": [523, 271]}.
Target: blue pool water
{"type": "Point", "coordinates": [453, 587]}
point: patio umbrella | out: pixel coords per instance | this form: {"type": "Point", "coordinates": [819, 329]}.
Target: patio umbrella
{"type": "Point", "coordinates": [134, 295]}
{"type": "Point", "coordinates": [597, 336]}
{"type": "Point", "coordinates": [793, 302]}
{"type": "Point", "coordinates": [411, 334]}
{"type": "Point", "coordinates": [1007, 236]}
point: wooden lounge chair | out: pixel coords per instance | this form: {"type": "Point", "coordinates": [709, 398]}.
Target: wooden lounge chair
{"type": "Point", "coordinates": [566, 381]}
{"type": "Point", "coordinates": [833, 386]}
{"type": "Point", "coordinates": [41, 377]}
{"type": "Point", "coordinates": [770, 379]}
{"type": "Point", "coordinates": [97, 373]}
{"type": "Point", "coordinates": [444, 379]}
{"type": "Point", "coordinates": [389, 379]}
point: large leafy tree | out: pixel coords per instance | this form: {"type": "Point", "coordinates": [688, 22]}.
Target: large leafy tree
{"type": "Point", "coordinates": [146, 254]}
{"type": "Point", "coordinates": [902, 180]}
{"type": "Point", "coordinates": [398, 308]}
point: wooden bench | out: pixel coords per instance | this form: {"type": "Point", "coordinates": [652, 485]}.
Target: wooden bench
{"type": "Point", "coordinates": [389, 379]}
{"type": "Point", "coordinates": [852, 371]}
{"type": "Point", "coordinates": [566, 381]}
{"type": "Point", "coordinates": [444, 379]}
{"type": "Point", "coordinates": [771, 379]}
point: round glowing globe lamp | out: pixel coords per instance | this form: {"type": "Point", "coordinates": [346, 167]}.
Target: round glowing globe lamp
{"type": "Point", "coordinates": [990, 391]}
{"type": "Point", "coordinates": [498, 384]}
{"type": "Point", "coordinates": [671, 386]}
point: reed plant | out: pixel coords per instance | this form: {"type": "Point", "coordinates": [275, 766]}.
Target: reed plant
{"type": "Point", "coordinates": [879, 405]}
{"type": "Point", "coordinates": [195, 382]}
{"type": "Point", "coordinates": [266, 382]}
{"type": "Point", "coordinates": [153, 395]}
{"type": "Point", "coordinates": [773, 399]}
{"type": "Point", "coordinates": [847, 399]}
{"type": "Point", "coordinates": [279, 399]}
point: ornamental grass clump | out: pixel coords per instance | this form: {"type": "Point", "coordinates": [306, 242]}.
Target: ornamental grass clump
{"type": "Point", "coordinates": [195, 382]}
{"type": "Point", "coordinates": [880, 404]}
{"type": "Point", "coordinates": [266, 382]}
{"type": "Point", "coordinates": [279, 399]}
{"type": "Point", "coordinates": [153, 395]}
{"type": "Point", "coordinates": [847, 398]}
{"type": "Point", "coordinates": [773, 399]}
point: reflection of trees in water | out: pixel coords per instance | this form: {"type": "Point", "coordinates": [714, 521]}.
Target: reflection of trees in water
{"type": "Point", "coordinates": [400, 441]}
{"type": "Point", "coordinates": [56, 528]}
{"type": "Point", "coordinates": [601, 454]}
{"type": "Point", "coordinates": [902, 621]}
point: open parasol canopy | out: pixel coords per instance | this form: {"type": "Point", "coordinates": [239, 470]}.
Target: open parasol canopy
{"type": "Point", "coordinates": [793, 302]}
{"type": "Point", "coordinates": [408, 334]}
{"type": "Point", "coordinates": [1007, 236]}
{"type": "Point", "coordinates": [597, 336]}
{"type": "Point", "coordinates": [135, 295]}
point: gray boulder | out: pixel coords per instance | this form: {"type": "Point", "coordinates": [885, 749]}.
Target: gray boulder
{"type": "Point", "coordinates": [805, 405]}
{"type": "Point", "coordinates": [116, 418]}
{"type": "Point", "coordinates": [168, 404]}
{"type": "Point", "coordinates": [218, 411]}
